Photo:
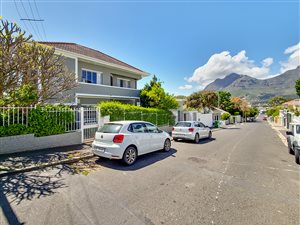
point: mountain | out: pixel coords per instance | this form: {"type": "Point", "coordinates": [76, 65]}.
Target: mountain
{"type": "Point", "coordinates": [219, 84]}
{"type": "Point", "coordinates": [257, 90]}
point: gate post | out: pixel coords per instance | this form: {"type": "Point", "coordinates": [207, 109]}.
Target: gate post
{"type": "Point", "coordinates": [82, 123]}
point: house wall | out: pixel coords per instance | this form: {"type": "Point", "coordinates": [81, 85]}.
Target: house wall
{"type": "Point", "coordinates": [70, 64]}
{"type": "Point", "coordinates": [104, 91]}
{"type": "Point", "coordinates": [107, 73]}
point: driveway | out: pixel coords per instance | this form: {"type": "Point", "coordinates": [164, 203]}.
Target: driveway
{"type": "Point", "coordinates": [244, 175]}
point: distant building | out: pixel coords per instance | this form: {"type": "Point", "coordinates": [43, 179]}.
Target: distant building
{"type": "Point", "coordinates": [294, 103]}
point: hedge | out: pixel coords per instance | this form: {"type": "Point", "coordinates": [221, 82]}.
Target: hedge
{"type": "Point", "coordinates": [40, 121]}
{"type": "Point", "coordinates": [119, 111]}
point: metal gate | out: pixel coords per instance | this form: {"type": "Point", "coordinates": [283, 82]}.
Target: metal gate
{"type": "Point", "coordinates": [90, 121]}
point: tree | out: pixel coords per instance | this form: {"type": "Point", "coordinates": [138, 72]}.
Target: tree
{"type": "Point", "coordinates": [225, 101]}
{"type": "Point", "coordinates": [276, 101]}
{"type": "Point", "coordinates": [153, 95]}
{"type": "Point", "coordinates": [239, 105]}
{"type": "Point", "coordinates": [225, 116]}
{"type": "Point", "coordinates": [22, 96]}
{"type": "Point", "coordinates": [252, 112]}
{"type": "Point", "coordinates": [202, 100]}
{"type": "Point", "coordinates": [27, 64]}
{"type": "Point", "coordinates": [297, 86]}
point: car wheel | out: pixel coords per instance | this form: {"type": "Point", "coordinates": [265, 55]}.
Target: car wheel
{"type": "Point", "coordinates": [167, 145]}
{"type": "Point", "coordinates": [209, 135]}
{"type": "Point", "coordinates": [196, 138]}
{"type": "Point", "coordinates": [129, 156]}
{"type": "Point", "coordinates": [297, 159]}
{"type": "Point", "coordinates": [291, 150]}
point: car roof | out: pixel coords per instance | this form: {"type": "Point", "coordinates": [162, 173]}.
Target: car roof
{"type": "Point", "coordinates": [187, 121]}
{"type": "Point", "coordinates": [125, 122]}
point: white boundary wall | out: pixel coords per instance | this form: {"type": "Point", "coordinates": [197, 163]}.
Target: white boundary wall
{"type": "Point", "coordinates": [29, 142]}
{"type": "Point", "coordinates": [206, 119]}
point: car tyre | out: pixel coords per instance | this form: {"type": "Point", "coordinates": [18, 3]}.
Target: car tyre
{"type": "Point", "coordinates": [167, 145]}
{"type": "Point", "coordinates": [130, 156]}
{"type": "Point", "coordinates": [297, 158]}
{"type": "Point", "coordinates": [291, 151]}
{"type": "Point", "coordinates": [197, 139]}
{"type": "Point", "coordinates": [210, 135]}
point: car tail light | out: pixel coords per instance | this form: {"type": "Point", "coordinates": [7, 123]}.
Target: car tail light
{"type": "Point", "coordinates": [173, 128]}
{"type": "Point", "coordinates": [191, 129]}
{"type": "Point", "coordinates": [118, 138]}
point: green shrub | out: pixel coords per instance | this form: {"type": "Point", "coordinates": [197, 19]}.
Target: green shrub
{"type": "Point", "coordinates": [40, 121]}
{"type": "Point", "coordinates": [119, 111]}
{"type": "Point", "coordinates": [14, 129]}
{"type": "Point", "coordinates": [225, 116]}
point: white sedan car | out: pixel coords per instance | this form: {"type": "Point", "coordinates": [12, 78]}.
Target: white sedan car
{"type": "Point", "coordinates": [191, 130]}
{"type": "Point", "coordinates": [127, 140]}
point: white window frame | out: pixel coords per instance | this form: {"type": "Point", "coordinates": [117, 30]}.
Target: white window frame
{"type": "Point", "coordinates": [124, 79]}
{"type": "Point", "coordinates": [98, 76]}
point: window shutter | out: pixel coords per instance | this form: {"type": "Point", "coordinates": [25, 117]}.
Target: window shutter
{"type": "Point", "coordinates": [99, 78]}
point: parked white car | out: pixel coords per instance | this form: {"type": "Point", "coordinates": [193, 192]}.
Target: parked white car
{"type": "Point", "coordinates": [293, 139]}
{"type": "Point", "coordinates": [127, 140]}
{"type": "Point", "coordinates": [191, 130]}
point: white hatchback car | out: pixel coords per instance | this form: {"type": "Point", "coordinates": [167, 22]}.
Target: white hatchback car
{"type": "Point", "coordinates": [191, 130]}
{"type": "Point", "coordinates": [127, 140]}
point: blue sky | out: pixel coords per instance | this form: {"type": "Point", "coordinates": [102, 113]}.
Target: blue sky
{"type": "Point", "coordinates": [175, 39]}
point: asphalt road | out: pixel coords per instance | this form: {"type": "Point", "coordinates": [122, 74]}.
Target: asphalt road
{"type": "Point", "coordinates": [244, 175]}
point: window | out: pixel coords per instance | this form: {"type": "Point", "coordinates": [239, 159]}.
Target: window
{"type": "Point", "coordinates": [91, 77]}
{"type": "Point", "coordinates": [110, 128]}
{"type": "Point", "coordinates": [298, 129]}
{"type": "Point", "coordinates": [183, 124]}
{"type": "Point", "coordinates": [151, 128]}
{"type": "Point", "coordinates": [137, 128]}
{"type": "Point", "coordinates": [202, 125]}
{"type": "Point", "coordinates": [123, 83]}
{"type": "Point", "coordinates": [111, 81]}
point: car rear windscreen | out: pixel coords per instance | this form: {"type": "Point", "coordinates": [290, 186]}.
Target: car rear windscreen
{"type": "Point", "coordinates": [110, 128]}
{"type": "Point", "coordinates": [183, 124]}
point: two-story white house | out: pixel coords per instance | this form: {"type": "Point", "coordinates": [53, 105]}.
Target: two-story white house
{"type": "Point", "coordinates": [100, 76]}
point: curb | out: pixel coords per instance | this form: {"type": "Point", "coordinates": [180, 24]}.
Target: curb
{"type": "Point", "coordinates": [280, 135]}
{"type": "Point", "coordinates": [41, 166]}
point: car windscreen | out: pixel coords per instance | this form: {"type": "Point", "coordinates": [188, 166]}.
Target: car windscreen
{"type": "Point", "coordinates": [183, 124]}
{"type": "Point", "coordinates": [298, 129]}
{"type": "Point", "coordinates": [110, 128]}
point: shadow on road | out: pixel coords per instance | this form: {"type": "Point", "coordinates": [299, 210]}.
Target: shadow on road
{"type": "Point", "coordinates": [142, 161]}
{"type": "Point", "coordinates": [202, 141]}
{"type": "Point", "coordinates": [26, 186]}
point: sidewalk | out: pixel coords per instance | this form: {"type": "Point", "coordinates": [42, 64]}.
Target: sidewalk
{"type": "Point", "coordinates": [28, 161]}
{"type": "Point", "coordinates": [280, 130]}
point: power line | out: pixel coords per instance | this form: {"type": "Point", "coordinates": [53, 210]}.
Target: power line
{"type": "Point", "coordinates": [37, 10]}
{"type": "Point", "coordinates": [21, 17]}
{"type": "Point", "coordinates": [37, 27]}
{"type": "Point", "coordinates": [28, 17]}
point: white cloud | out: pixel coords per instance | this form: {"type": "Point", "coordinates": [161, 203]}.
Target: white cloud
{"type": "Point", "coordinates": [221, 64]}
{"type": "Point", "coordinates": [294, 59]}
{"type": "Point", "coordinates": [186, 87]}
{"type": "Point", "coordinates": [267, 62]}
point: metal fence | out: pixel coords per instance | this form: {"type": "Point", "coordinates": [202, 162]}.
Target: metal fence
{"type": "Point", "coordinates": [23, 116]}
{"type": "Point", "coordinates": [86, 120]}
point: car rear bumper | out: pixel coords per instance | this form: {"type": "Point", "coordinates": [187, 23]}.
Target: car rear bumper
{"type": "Point", "coordinates": [110, 152]}
{"type": "Point", "coordinates": [186, 136]}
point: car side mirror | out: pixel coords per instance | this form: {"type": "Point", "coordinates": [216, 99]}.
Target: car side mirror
{"type": "Point", "coordinates": [289, 133]}
{"type": "Point", "coordinates": [159, 130]}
